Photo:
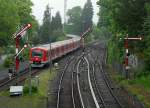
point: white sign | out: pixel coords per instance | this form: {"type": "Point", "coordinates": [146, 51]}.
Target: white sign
{"type": "Point", "coordinates": [16, 90]}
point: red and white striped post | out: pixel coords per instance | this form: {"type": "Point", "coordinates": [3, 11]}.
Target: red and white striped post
{"type": "Point", "coordinates": [127, 51]}
{"type": "Point", "coordinates": [126, 56]}
{"type": "Point", "coordinates": [17, 50]}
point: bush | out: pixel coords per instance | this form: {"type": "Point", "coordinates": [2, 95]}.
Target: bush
{"type": "Point", "coordinates": [8, 62]}
{"type": "Point", "coordinates": [26, 90]}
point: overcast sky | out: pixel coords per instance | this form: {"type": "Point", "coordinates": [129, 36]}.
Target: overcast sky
{"type": "Point", "coordinates": [58, 5]}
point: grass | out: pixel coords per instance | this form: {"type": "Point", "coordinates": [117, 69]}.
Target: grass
{"type": "Point", "coordinates": [140, 87]}
{"type": "Point", "coordinates": [36, 100]}
{"type": "Point", "coordinates": [1, 67]}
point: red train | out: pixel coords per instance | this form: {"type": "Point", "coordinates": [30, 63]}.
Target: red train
{"type": "Point", "coordinates": [40, 55]}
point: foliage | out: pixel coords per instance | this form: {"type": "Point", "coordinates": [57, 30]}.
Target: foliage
{"type": "Point", "coordinates": [47, 31]}
{"type": "Point", "coordinates": [1, 51]}
{"type": "Point", "coordinates": [56, 22]}
{"type": "Point", "coordinates": [121, 17]}
{"type": "Point", "coordinates": [74, 20]}
{"type": "Point", "coordinates": [26, 90]}
{"type": "Point", "coordinates": [79, 20]}
{"type": "Point", "coordinates": [8, 62]}
{"type": "Point", "coordinates": [57, 28]}
{"type": "Point", "coordinates": [87, 15]}
{"type": "Point", "coordinates": [9, 20]}
{"type": "Point", "coordinates": [17, 14]}
{"type": "Point", "coordinates": [58, 35]}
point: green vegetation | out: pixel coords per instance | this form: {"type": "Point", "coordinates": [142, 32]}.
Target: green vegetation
{"type": "Point", "coordinates": [38, 98]}
{"type": "Point", "coordinates": [117, 18]}
{"type": "Point", "coordinates": [51, 29]}
{"type": "Point", "coordinates": [17, 13]}
{"type": "Point", "coordinates": [8, 62]}
{"type": "Point", "coordinates": [79, 20]}
{"type": "Point", "coordinates": [74, 22]}
{"type": "Point", "coordinates": [87, 15]}
{"type": "Point", "coordinates": [122, 17]}
{"type": "Point", "coordinates": [139, 87]}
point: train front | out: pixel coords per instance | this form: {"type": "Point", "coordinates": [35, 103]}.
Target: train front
{"type": "Point", "coordinates": [37, 57]}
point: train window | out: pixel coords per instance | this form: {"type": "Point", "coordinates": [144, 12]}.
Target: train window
{"type": "Point", "coordinates": [37, 53]}
{"type": "Point", "coordinates": [52, 53]}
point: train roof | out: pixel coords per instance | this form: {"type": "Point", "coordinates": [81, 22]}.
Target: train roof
{"type": "Point", "coordinates": [58, 43]}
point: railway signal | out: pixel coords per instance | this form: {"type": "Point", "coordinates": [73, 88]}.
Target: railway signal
{"type": "Point", "coordinates": [86, 32]}
{"type": "Point", "coordinates": [17, 36]}
{"type": "Point", "coordinates": [25, 46]}
{"type": "Point", "coordinates": [127, 54]}
{"type": "Point", "coordinates": [83, 36]}
{"type": "Point", "coordinates": [21, 32]}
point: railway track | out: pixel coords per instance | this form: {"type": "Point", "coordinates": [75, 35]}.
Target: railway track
{"type": "Point", "coordinates": [84, 84]}
{"type": "Point", "coordinates": [68, 95]}
{"type": "Point", "coordinates": [19, 78]}
{"type": "Point", "coordinates": [69, 91]}
{"type": "Point", "coordinates": [5, 84]}
{"type": "Point", "coordinates": [99, 88]}
{"type": "Point", "coordinates": [76, 93]}
{"type": "Point", "coordinates": [101, 83]}
{"type": "Point", "coordinates": [62, 88]}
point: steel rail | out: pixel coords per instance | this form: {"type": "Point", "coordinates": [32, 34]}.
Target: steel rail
{"type": "Point", "coordinates": [73, 97]}
{"type": "Point", "coordinates": [61, 80]}
{"type": "Point", "coordinates": [108, 85]}
{"type": "Point", "coordinates": [90, 84]}
{"type": "Point", "coordinates": [78, 85]}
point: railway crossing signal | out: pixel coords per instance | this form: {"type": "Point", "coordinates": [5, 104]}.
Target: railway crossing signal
{"type": "Point", "coordinates": [127, 54]}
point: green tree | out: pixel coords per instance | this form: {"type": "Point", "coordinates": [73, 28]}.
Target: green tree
{"type": "Point", "coordinates": [24, 10]}
{"type": "Point", "coordinates": [121, 17]}
{"type": "Point", "coordinates": [56, 22]}
{"type": "Point", "coordinates": [9, 20]}
{"type": "Point", "coordinates": [74, 20]}
{"type": "Point", "coordinates": [17, 13]}
{"type": "Point", "coordinates": [87, 15]}
{"type": "Point", "coordinates": [57, 28]}
{"type": "Point", "coordinates": [146, 30]}
{"type": "Point", "coordinates": [45, 29]}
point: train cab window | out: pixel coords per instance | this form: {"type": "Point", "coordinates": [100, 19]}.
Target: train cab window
{"type": "Point", "coordinates": [37, 53]}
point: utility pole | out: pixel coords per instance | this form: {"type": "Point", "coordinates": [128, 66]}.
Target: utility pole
{"type": "Point", "coordinates": [65, 10]}
{"type": "Point", "coordinates": [50, 47]}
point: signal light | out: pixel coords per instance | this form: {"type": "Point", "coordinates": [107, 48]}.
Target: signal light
{"type": "Point", "coordinates": [29, 25]}
{"type": "Point", "coordinates": [25, 45]}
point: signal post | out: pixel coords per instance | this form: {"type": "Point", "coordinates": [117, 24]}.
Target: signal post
{"type": "Point", "coordinates": [17, 36]}
{"type": "Point", "coordinates": [83, 36]}
{"type": "Point", "coordinates": [126, 45]}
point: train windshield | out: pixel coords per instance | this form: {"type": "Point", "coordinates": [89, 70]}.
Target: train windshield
{"type": "Point", "coordinates": [37, 53]}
